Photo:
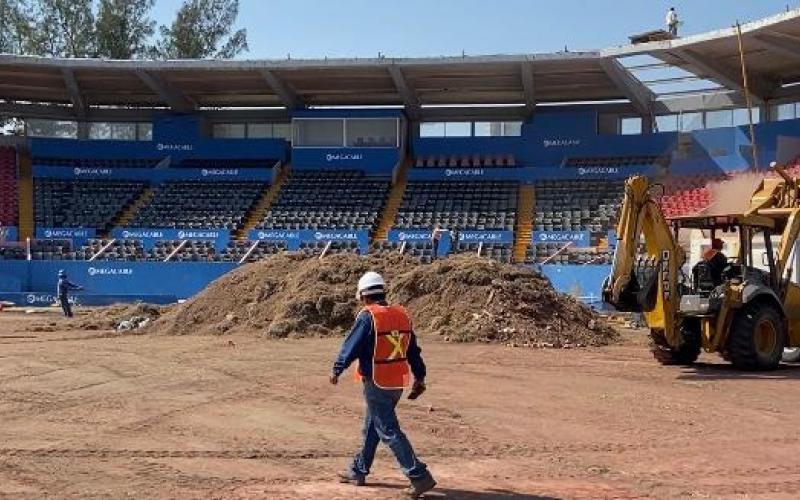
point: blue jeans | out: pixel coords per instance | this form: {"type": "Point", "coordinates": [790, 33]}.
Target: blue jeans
{"type": "Point", "coordinates": [380, 424]}
{"type": "Point", "coordinates": [65, 306]}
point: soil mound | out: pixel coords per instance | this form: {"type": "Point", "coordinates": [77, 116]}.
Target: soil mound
{"type": "Point", "coordinates": [287, 295]}
{"type": "Point", "coordinates": [464, 298]}
{"type": "Point", "coordinates": [469, 298]}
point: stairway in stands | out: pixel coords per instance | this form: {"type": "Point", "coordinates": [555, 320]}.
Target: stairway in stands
{"type": "Point", "coordinates": [524, 229]}
{"type": "Point", "coordinates": [25, 193]}
{"type": "Point", "coordinates": [263, 203]}
{"type": "Point", "coordinates": [393, 202]}
{"type": "Point", "coordinates": [126, 215]}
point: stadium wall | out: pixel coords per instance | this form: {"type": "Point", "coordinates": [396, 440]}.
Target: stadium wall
{"type": "Point", "coordinates": [33, 283]}
{"type": "Point", "coordinates": [550, 138]}
{"type": "Point", "coordinates": [126, 281]}
{"type": "Point", "coordinates": [178, 137]}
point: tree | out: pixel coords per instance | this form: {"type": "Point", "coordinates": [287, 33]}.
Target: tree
{"type": "Point", "coordinates": [17, 27]}
{"type": "Point", "coordinates": [123, 28]}
{"type": "Point", "coordinates": [202, 29]}
{"type": "Point", "coordinates": [65, 28]}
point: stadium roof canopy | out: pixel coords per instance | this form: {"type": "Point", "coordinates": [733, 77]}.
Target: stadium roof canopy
{"type": "Point", "coordinates": [39, 86]}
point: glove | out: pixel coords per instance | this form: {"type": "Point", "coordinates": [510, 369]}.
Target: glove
{"type": "Point", "coordinates": [417, 389]}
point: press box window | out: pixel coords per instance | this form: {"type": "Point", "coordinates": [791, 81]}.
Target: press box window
{"type": "Point", "coordinates": [371, 133]}
{"type": "Point", "coordinates": [457, 129]}
{"type": "Point", "coordinates": [229, 130]}
{"type": "Point", "coordinates": [667, 123]}
{"type": "Point", "coordinates": [431, 129]}
{"type": "Point", "coordinates": [319, 133]}
{"type": "Point", "coordinates": [52, 128]}
{"type": "Point", "coordinates": [631, 125]}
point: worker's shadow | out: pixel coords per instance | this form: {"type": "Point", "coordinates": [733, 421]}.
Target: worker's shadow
{"type": "Point", "coordinates": [487, 495]}
{"type": "Point", "coordinates": [460, 494]}
{"type": "Point", "coordinates": [719, 371]}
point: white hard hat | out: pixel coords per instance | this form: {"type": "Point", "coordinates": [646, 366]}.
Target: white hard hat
{"type": "Point", "coordinates": [370, 283]}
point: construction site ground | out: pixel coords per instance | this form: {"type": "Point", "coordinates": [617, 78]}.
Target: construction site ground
{"type": "Point", "coordinates": [98, 415]}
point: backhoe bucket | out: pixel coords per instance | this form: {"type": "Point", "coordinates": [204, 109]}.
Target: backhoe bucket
{"type": "Point", "coordinates": [638, 296]}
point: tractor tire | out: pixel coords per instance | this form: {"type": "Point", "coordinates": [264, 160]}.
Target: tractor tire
{"type": "Point", "coordinates": [757, 338]}
{"type": "Point", "coordinates": [685, 355]}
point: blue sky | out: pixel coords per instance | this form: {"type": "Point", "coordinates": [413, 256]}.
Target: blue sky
{"type": "Point", "coordinates": [410, 28]}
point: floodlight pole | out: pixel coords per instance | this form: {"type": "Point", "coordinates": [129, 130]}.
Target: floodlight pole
{"type": "Point", "coordinates": [748, 99]}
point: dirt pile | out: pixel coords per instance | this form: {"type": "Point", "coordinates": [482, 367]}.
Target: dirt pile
{"type": "Point", "coordinates": [469, 299]}
{"type": "Point", "coordinates": [462, 299]}
{"type": "Point", "coordinates": [287, 295]}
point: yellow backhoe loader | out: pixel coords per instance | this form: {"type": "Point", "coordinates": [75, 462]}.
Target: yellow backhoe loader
{"type": "Point", "coordinates": [747, 313]}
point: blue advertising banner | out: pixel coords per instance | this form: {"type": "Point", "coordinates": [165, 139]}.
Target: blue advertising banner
{"type": "Point", "coordinates": [78, 235]}
{"type": "Point", "coordinates": [9, 233]}
{"type": "Point", "coordinates": [466, 174]}
{"type": "Point", "coordinates": [273, 235]}
{"type": "Point", "coordinates": [409, 235]}
{"type": "Point", "coordinates": [370, 160]}
{"type": "Point", "coordinates": [521, 174]}
{"type": "Point", "coordinates": [467, 236]}
{"type": "Point", "coordinates": [289, 236]}
{"type": "Point", "coordinates": [132, 279]}
{"type": "Point", "coordinates": [40, 299]}
{"type": "Point", "coordinates": [422, 235]}
{"type": "Point", "coordinates": [293, 237]}
{"type": "Point", "coordinates": [180, 137]}
{"type": "Point", "coordinates": [578, 238]}
{"type": "Point", "coordinates": [156, 175]}
{"type": "Point", "coordinates": [612, 238]}
{"type": "Point", "coordinates": [149, 236]}
{"type": "Point", "coordinates": [360, 236]}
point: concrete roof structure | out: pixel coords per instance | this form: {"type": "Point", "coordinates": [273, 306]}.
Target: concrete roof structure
{"type": "Point", "coordinates": [86, 88]}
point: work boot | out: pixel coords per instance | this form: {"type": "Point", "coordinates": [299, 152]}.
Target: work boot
{"type": "Point", "coordinates": [350, 477]}
{"type": "Point", "coordinates": [420, 486]}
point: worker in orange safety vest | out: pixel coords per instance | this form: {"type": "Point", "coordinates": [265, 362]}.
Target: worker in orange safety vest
{"type": "Point", "coordinates": [383, 342]}
{"type": "Point", "coordinates": [717, 261]}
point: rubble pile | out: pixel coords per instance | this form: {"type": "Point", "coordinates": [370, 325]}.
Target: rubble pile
{"type": "Point", "coordinates": [461, 299]}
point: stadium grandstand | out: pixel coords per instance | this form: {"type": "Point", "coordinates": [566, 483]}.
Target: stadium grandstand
{"type": "Point", "coordinates": [129, 172]}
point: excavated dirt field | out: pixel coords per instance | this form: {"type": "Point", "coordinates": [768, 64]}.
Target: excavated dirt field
{"type": "Point", "coordinates": [462, 299]}
{"type": "Point", "coordinates": [89, 414]}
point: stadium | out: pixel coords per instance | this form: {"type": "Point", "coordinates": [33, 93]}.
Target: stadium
{"type": "Point", "coordinates": [158, 182]}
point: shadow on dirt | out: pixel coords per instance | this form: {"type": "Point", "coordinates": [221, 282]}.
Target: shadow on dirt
{"type": "Point", "coordinates": [487, 495]}
{"type": "Point", "coordinates": [460, 494]}
{"type": "Point", "coordinates": [718, 371]}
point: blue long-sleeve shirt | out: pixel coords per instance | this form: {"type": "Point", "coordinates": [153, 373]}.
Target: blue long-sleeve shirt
{"type": "Point", "coordinates": [360, 344]}
{"type": "Point", "coordinates": [64, 286]}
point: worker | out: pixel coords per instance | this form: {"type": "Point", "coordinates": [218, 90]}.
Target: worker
{"type": "Point", "coordinates": [672, 21]}
{"type": "Point", "coordinates": [716, 260]}
{"type": "Point", "coordinates": [436, 238]}
{"type": "Point", "coordinates": [62, 291]}
{"type": "Point", "coordinates": [385, 346]}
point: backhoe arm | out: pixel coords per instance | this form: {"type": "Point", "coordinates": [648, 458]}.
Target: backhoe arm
{"type": "Point", "coordinates": [779, 198]}
{"type": "Point", "coordinates": [650, 285]}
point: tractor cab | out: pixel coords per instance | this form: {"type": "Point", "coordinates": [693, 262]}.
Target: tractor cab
{"type": "Point", "coordinates": [717, 271]}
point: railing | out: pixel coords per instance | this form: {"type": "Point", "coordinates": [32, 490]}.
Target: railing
{"type": "Point", "coordinates": [102, 250]}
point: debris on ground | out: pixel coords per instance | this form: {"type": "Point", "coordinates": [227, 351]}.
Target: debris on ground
{"type": "Point", "coordinates": [460, 299]}
{"type": "Point", "coordinates": [120, 317]}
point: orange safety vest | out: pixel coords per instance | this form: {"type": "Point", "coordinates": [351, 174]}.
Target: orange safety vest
{"type": "Point", "coordinates": [709, 254]}
{"type": "Point", "coordinates": [392, 327]}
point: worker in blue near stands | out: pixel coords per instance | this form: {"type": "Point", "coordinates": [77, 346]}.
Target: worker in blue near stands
{"type": "Point", "coordinates": [385, 346]}
{"type": "Point", "coordinates": [64, 286]}
{"type": "Point", "coordinates": [436, 238]}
